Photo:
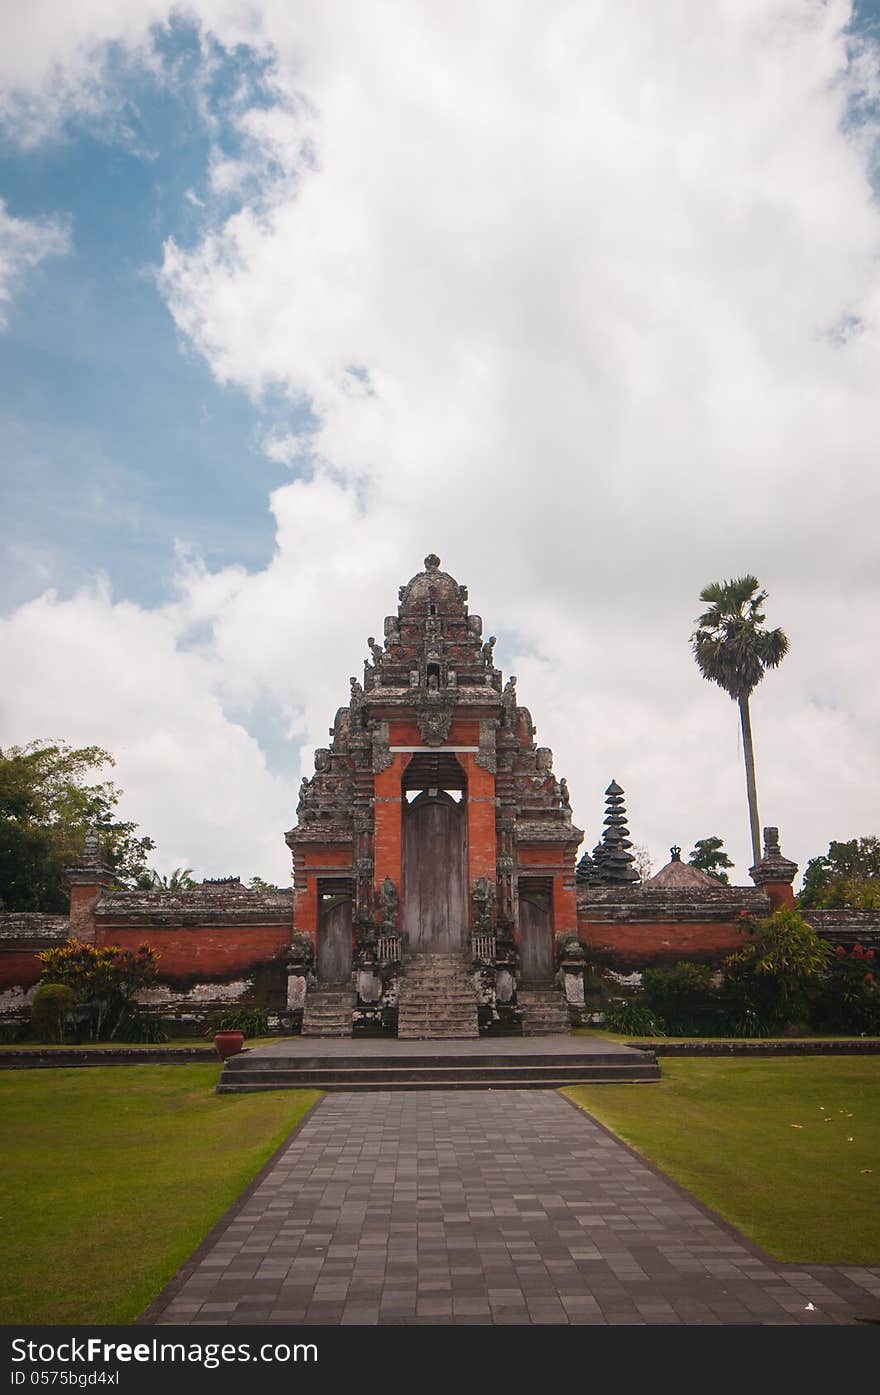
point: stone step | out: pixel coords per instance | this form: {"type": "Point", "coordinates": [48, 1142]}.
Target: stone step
{"type": "Point", "coordinates": [448, 1074]}
{"type": "Point", "coordinates": [544, 1010]}
{"type": "Point", "coordinates": [482, 1057]}
{"type": "Point", "coordinates": [328, 1012]}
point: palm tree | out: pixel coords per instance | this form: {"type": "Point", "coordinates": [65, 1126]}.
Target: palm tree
{"type": "Point", "coordinates": [733, 649]}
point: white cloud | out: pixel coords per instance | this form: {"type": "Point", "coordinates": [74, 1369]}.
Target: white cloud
{"type": "Point", "coordinates": [24, 243]}
{"type": "Point", "coordinates": [566, 294]}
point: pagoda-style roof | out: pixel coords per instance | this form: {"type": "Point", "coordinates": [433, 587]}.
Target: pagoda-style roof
{"type": "Point", "coordinates": [681, 875]}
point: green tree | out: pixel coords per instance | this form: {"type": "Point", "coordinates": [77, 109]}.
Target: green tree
{"type": "Point", "coordinates": [848, 875]}
{"type": "Point", "coordinates": [709, 856]}
{"type": "Point", "coordinates": [733, 649]}
{"type": "Point", "coordinates": [48, 800]}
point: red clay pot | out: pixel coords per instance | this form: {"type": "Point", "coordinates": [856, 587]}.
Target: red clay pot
{"type": "Point", "coordinates": [228, 1043]}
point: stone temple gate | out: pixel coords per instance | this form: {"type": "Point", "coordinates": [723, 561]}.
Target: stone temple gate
{"type": "Point", "coordinates": [434, 854]}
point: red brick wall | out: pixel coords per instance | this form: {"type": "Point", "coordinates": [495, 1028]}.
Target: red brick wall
{"type": "Point", "coordinates": [388, 832]}
{"type": "Point", "coordinates": [481, 838]}
{"type": "Point", "coordinates": [204, 952]}
{"type": "Point", "coordinates": [638, 945]}
{"type": "Point", "coordinates": [19, 968]}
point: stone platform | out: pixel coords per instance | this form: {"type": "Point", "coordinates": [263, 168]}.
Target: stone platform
{"type": "Point", "coordinates": [374, 1063]}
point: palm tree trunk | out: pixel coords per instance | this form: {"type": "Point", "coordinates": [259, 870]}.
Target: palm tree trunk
{"type": "Point", "coordinates": [751, 787]}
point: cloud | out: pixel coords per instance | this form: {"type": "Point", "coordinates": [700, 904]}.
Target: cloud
{"type": "Point", "coordinates": [24, 243]}
{"type": "Point", "coordinates": [94, 670]}
{"type": "Point", "coordinates": [587, 303]}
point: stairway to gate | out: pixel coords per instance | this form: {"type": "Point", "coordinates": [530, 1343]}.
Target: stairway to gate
{"type": "Point", "coordinates": [437, 999]}
{"type": "Point", "coordinates": [544, 1010]}
{"type": "Point", "coordinates": [328, 1012]}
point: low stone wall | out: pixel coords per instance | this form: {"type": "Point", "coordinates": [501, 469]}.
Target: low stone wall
{"type": "Point", "coordinates": [790, 1046]}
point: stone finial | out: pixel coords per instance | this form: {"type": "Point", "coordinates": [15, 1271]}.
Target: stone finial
{"type": "Point", "coordinates": [774, 872]}
{"type": "Point", "coordinates": [675, 853]}
{"type": "Point", "coordinates": [432, 562]}
{"type": "Point", "coordinates": [91, 867]}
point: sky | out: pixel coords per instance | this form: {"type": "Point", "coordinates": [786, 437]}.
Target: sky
{"type": "Point", "coordinates": [583, 297]}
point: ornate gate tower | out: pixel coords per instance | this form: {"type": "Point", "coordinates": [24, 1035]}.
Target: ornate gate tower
{"type": "Point", "coordinates": [434, 854]}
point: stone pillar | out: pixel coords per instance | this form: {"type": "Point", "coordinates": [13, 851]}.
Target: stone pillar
{"type": "Point", "coordinates": [87, 878]}
{"type": "Point", "coordinates": [774, 874]}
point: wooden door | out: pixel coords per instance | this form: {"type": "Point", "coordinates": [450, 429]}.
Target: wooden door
{"type": "Point", "coordinates": [435, 907]}
{"type": "Point", "coordinates": [334, 939]}
{"type": "Point", "coordinates": [535, 934]}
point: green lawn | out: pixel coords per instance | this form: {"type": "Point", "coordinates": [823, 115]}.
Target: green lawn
{"type": "Point", "coordinates": [112, 1176]}
{"type": "Point", "coordinates": [787, 1150]}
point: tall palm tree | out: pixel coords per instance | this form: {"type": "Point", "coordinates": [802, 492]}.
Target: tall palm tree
{"type": "Point", "coordinates": [733, 649]}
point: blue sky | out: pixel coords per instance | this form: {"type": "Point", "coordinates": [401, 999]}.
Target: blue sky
{"type": "Point", "coordinates": [591, 268]}
{"type": "Point", "coordinates": [118, 440]}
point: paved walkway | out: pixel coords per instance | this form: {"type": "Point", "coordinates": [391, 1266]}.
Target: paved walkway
{"type": "Point", "coordinates": [495, 1206]}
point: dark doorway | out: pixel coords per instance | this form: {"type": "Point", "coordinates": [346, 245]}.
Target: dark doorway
{"type": "Point", "coordinates": [334, 936]}
{"type": "Point", "coordinates": [435, 907]}
{"type": "Point", "coordinates": [535, 931]}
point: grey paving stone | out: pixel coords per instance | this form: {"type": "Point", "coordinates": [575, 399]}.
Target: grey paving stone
{"type": "Point", "coordinates": [504, 1207]}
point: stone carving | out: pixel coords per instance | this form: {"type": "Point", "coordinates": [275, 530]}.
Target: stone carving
{"type": "Point", "coordinates": [413, 678]}
{"type": "Point", "coordinates": [486, 756]}
{"type": "Point", "coordinates": [432, 562]}
{"type": "Point", "coordinates": [544, 759]}
{"type": "Point", "coordinates": [322, 759]}
{"type": "Point", "coordinates": [388, 907]}
{"type": "Point", "coordinates": [475, 624]}
{"type": "Point", "coordinates": [382, 756]}
{"type": "Point", "coordinates": [303, 791]}
{"type": "Point", "coordinates": [483, 896]}
{"type": "Point", "coordinates": [392, 630]}
{"type": "Point", "coordinates": [508, 704]}
{"type": "Point", "coordinates": [564, 796]}
{"type": "Point", "coordinates": [434, 721]}
{"type": "Point", "coordinates": [376, 650]}
{"type": "Point", "coordinates": [487, 650]}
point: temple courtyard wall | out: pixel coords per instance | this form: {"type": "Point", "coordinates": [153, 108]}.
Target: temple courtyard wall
{"type": "Point", "coordinates": [227, 947]}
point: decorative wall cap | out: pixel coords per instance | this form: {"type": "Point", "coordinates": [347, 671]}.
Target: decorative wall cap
{"type": "Point", "coordinates": [773, 867]}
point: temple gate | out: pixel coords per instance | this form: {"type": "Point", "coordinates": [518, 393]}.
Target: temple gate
{"type": "Point", "coordinates": [434, 854]}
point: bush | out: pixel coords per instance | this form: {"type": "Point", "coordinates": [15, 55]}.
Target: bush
{"type": "Point", "coordinates": [104, 980]}
{"type": "Point", "coordinates": [253, 1022]}
{"type": "Point", "coordinates": [52, 1005]}
{"type": "Point", "coordinates": [773, 979]}
{"type": "Point", "coordinates": [142, 1030]}
{"type": "Point", "coordinates": [633, 1019]}
{"type": "Point", "coordinates": [683, 997]}
{"type": "Point", "coordinates": [849, 1000]}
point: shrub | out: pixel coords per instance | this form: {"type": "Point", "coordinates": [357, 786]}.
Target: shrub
{"type": "Point", "coordinates": [683, 997]}
{"type": "Point", "coordinates": [849, 1000]}
{"type": "Point", "coordinates": [774, 977]}
{"type": "Point", "coordinates": [253, 1022]}
{"type": "Point", "coordinates": [52, 1005]}
{"type": "Point", "coordinates": [104, 980]}
{"type": "Point", "coordinates": [632, 1018]}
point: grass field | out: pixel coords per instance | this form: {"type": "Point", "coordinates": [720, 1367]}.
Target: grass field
{"type": "Point", "coordinates": [112, 1176]}
{"type": "Point", "coordinates": [787, 1150]}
